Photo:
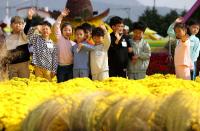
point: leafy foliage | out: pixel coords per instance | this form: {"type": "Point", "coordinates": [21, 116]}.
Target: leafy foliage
{"type": "Point", "coordinates": [157, 22]}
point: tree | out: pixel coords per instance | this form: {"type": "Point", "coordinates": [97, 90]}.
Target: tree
{"type": "Point", "coordinates": [54, 14]}
{"type": "Point", "coordinates": [168, 19]}
{"type": "Point", "coordinates": [152, 19]}
{"type": "Point", "coordinates": [128, 22]}
{"type": "Point", "coordinates": [157, 22]}
{"type": "Point", "coordinates": [36, 20]}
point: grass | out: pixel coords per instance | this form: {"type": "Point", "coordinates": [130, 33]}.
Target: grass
{"type": "Point", "coordinates": [156, 43]}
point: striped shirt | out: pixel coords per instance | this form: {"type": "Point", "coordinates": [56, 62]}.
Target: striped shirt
{"type": "Point", "coordinates": [44, 52]}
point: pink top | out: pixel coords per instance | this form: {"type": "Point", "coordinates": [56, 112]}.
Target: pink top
{"type": "Point", "coordinates": [65, 56]}
{"type": "Point", "coordinates": [182, 54]}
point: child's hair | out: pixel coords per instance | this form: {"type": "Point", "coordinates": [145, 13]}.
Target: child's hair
{"type": "Point", "coordinates": [193, 22]}
{"type": "Point", "coordinates": [65, 24]}
{"type": "Point", "coordinates": [139, 26]}
{"type": "Point", "coordinates": [97, 32]}
{"type": "Point", "coordinates": [16, 19]}
{"type": "Point", "coordinates": [87, 27]}
{"type": "Point", "coordinates": [79, 28]}
{"type": "Point", "coordinates": [46, 23]}
{"type": "Point", "coordinates": [116, 20]}
{"type": "Point", "coordinates": [180, 25]}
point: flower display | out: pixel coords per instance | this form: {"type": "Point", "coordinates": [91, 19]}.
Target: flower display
{"type": "Point", "coordinates": [81, 104]}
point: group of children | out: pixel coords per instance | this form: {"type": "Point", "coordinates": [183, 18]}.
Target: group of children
{"type": "Point", "coordinates": [94, 52]}
{"type": "Point", "coordinates": [81, 57]}
{"type": "Point", "coordinates": [187, 48]}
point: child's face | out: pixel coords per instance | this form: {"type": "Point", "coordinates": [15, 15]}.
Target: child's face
{"type": "Point", "coordinates": [17, 27]}
{"type": "Point", "coordinates": [180, 33]}
{"type": "Point", "coordinates": [80, 36]}
{"type": "Point", "coordinates": [67, 31]}
{"type": "Point", "coordinates": [87, 34]}
{"type": "Point", "coordinates": [118, 28]}
{"type": "Point", "coordinates": [98, 39]}
{"type": "Point", "coordinates": [137, 34]}
{"type": "Point", "coordinates": [125, 31]}
{"type": "Point", "coordinates": [46, 31]}
{"type": "Point", "coordinates": [194, 29]}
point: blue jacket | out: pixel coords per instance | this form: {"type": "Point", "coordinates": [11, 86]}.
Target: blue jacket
{"type": "Point", "coordinates": [81, 57]}
{"type": "Point", "coordinates": [194, 47]}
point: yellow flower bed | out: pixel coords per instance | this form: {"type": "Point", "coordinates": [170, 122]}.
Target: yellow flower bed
{"type": "Point", "coordinates": [117, 96]}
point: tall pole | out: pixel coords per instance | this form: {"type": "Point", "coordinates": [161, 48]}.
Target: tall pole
{"type": "Point", "coordinates": [7, 8]}
{"type": "Point", "coordinates": [32, 3]}
{"type": "Point", "coordinates": [36, 4]}
{"type": "Point", "coordinates": [154, 4]}
{"type": "Point", "coordinates": [128, 11]}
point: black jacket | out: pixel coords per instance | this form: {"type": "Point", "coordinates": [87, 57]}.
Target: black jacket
{"type": "Point", "coordinates": [118, 53]}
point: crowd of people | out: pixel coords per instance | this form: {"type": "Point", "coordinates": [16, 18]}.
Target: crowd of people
{"type": "Point", "coordinates": [94, 53]}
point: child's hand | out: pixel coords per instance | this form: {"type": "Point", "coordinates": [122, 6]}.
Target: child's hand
{"type": "Point", "coordinates": [135, 57]}
{"type": "Point", "coordinates": [118, 36]}
{"type": "Point", "coordinates": [185, 38]}
{"type": "Point", "coordinates": [30, 13]}
{"type": "Point", "coordinates": [102, 26]}
{"type": "Point", "coordinates": [133, 61]}
{"type": "Point", "coordinates": [80, 46]}
{"type": "Point", "coordinates": [39, 28]}
{"type": "Point", "coordinates": [179, 20]}
{"type": "Point", "coordinates": [130, 49]}
{"type": "Point", "coordinates": [65, 12]}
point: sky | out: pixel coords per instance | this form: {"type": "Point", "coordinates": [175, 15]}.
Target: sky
{"type": "Point", "coordinates": [181, 4]}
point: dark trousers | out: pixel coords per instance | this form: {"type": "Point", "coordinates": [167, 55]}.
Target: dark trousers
{"type": "Point", "coordinates": [64, 73]}
{"type": "Point", "coordinates": [193, 72]}
{"type": "Point", "coordinates": [118, 72]}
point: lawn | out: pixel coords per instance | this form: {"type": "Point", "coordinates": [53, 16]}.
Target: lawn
{"type": "Point", "coordinates": [157, 43]}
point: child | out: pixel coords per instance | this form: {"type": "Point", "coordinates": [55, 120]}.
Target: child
{"type": "Point", "coordinates": [17, 46]}
{"type": "Point", "coordinates": [195, 45]}
{"type": "Point", "coordinates": [126, 31]}
{"type": "Point", "coordinates": [44, 51]}
{"type": "Point", "coordinates": [81, 54]}
{"type": "Point", "coordinates": [118, 50]}
{"type": "Point", "coordinates": [99, 56]}
{"type": "Point", "coordinates": [139, 62]}
{"type": "Point", "coordinates": [3, 55]}
{"type": "Point", "coordinates": [88, 32]}
{"type": "Point", "coordinates": [64, 44]}
{"type": "Point", "coordinates": [88, 37]}
{"type": "Point", "coordinates": [182, 59]}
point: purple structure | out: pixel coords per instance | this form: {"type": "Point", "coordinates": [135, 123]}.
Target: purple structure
{"type": "Point", "coordinates": [191, 11]}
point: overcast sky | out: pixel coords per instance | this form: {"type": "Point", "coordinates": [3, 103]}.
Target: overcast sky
{"type": "Point", "coordinates": [182, 4]}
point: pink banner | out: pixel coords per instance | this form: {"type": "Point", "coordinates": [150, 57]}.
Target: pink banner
{"type": "Point", "coordinates": [191, 11]}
